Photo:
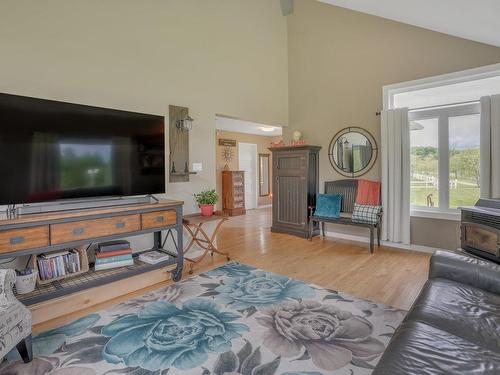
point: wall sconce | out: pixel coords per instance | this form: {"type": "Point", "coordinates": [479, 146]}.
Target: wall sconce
{"type": "Point", "coordinates": [185, 124]}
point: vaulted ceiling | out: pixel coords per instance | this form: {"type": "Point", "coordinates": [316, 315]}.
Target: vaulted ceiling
{"type": "Point", "coordinates": [475, 20]}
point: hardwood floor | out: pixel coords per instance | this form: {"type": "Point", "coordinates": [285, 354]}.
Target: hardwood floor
{"type": "Point", "coordinates": [391, 276]}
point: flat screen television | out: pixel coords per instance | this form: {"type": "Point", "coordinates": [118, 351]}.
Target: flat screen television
{"type": "Point", "coordinates": [51, 150]}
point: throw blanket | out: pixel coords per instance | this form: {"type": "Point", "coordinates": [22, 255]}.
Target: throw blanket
{"type": "Point", "coordinates": [368, 193]}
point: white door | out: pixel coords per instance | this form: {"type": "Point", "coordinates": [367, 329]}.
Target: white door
{"type": "Point", "coordinates": [247, 159]}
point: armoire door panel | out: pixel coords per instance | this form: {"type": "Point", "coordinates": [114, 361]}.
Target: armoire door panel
{"type": "Point", "coordinates": [291, 161]}
{"type": "Point", "coordinates": [291, 189]}
{"type": "Point", "coordinates": [295, 183]}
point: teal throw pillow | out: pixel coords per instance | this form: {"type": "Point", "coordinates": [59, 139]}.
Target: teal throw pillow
{"type": "Point", "coordinates": [328, 205]}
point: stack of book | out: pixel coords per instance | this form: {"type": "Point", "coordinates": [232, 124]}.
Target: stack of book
{"type": "Point", "coordinates": [61, 263]}
{"type": "Point", "coordinates": [112, 255]}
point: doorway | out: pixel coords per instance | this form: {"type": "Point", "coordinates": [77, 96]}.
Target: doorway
{"type": "Point", "coordinates": [247, 162]}
{"type": "Point", "coordinates": [230, 134]}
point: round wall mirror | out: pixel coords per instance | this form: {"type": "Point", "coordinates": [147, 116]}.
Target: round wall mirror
{"type": "Point", "coordinates": [352, 152]}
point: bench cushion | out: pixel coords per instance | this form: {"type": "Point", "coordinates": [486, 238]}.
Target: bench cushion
{"type": "Point", "coordinates": [328, 205]}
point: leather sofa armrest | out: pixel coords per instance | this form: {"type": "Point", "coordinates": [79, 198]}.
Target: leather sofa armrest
{"type": "Point", "coordinates": [465, 269]}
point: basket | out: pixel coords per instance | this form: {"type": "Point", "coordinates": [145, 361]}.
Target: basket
{"type": "Point", "coordinates": [26, 283]}
{"type": "Point", "coordinates": [84, 264]}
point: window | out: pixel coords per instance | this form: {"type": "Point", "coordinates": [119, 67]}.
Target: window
{"type": "Point", "coordinates": [424, 161]}
{"type": "Point", "coordinates": [444, 113]}
{"type": "Point", "coordinates": [444, 157]}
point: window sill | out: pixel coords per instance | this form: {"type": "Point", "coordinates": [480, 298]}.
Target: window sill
{"type": "Point", "coordinates": [453, 215]}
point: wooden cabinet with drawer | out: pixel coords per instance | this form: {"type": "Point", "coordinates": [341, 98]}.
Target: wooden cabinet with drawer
{"type": "Point", "coordinates": [158, 219]}
{"type": "Point", "coordinates": [85, 229]}
{"type": "Point", "coordinates": [24, 238]}
{"type": "Point", "coordinates": [233, 192]}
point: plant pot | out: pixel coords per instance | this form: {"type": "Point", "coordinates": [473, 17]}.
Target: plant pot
{"type": "Point", "coordinates": [26, 283]}
{"type": "Point", "coordinates": [207, 209]}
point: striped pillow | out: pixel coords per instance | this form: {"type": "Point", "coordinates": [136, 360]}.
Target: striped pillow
{"type": "Point", "coordinates": [366, 214]}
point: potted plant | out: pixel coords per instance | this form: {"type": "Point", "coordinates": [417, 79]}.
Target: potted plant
{"type": "Point", "coordinates": [206, 200]}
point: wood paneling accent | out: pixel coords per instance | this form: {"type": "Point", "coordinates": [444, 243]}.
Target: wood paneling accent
{"type": "Point", "coordinates": [86, 229]}
{"type": "Point", "coordinates": [158, 219]}
{"type": "Point", "coordinates": [233, 192]}
{"type": "Point", "coordinates": [23, 239]}
{"type": "Point", "coordinates": [389, 276]}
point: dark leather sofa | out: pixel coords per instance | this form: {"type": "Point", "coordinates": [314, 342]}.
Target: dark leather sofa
{"type": "Point", "coordinates": [454, 325]}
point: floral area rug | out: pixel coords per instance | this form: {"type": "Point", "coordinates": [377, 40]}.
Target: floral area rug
{"type": "Point", "coordinates": [232, 320]}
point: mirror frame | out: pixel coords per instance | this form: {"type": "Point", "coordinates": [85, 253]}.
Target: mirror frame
{"type": "Point", "coordinates": [268, 157]}
{"type": "Point", "coordinates": [373, 159]}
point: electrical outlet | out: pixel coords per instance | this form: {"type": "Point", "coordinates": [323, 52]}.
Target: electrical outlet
{"type": "Point", "coordinates": [197, 167]}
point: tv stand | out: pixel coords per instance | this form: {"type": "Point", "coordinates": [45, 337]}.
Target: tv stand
{"type": "Point", "coordinates": [32, 234]}
{"type": "Point", "coordinates": [78, 204]}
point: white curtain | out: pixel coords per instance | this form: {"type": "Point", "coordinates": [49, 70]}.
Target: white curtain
{"type": "Point", "coordinates": [490, 146]}
{"type": "Point", "coordinates": [395, 147]}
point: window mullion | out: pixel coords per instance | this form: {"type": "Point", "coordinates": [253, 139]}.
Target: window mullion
{"type": "Point", "coordinates": [444, 164]}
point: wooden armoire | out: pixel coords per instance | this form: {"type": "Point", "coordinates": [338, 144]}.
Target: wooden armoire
{"type": "Point", "coordinates": [295, 185]}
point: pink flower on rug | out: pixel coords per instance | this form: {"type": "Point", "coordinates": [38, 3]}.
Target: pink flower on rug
{"type": "Point", "coordinates": [332, 337]}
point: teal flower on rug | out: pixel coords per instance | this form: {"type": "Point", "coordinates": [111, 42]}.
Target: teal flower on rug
{"type": "Point", "coordinates": [162, 335]}
{"type": "Point", "coordinates": [260, 289]}
{"type": "Point", "coordinates": [233, 269]}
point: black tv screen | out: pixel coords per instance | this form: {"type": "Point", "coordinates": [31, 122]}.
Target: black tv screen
{"type": "Point", "coordinates": [52, 150]}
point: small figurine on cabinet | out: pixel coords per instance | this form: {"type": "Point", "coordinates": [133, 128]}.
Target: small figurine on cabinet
{"type": "Point", "coordinates": [297, 138]}
{"type": "Point", "coordinates": [279, 143]}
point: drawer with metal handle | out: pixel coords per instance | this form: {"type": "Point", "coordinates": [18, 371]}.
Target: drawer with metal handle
{"type": "Point", "coordinates": [23, 239]}
{"type": "Point", "coordinates": [86, 229]}
{"type": "Point", "coordinates": [158, 219]}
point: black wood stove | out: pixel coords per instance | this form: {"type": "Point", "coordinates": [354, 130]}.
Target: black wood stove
{"type": "Point", "coordinates": [480, 229]}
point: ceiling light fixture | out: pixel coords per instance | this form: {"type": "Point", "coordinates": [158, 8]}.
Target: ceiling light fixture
{"type": "Point", "coordinates": [267, 129]}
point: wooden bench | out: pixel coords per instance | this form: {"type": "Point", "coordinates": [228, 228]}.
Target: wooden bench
{"type": "Point", "coordinates": [348, 189]}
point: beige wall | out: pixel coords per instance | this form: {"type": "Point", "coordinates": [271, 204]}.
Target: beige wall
{"type": "Point", "coordinates": [217, 56]}
{"type": "Point", "coordinates": [232, 57]}
{"type": "Point", "coordinates": [262, 143]}
{"type": "Point", "coordinates": [338, 62]}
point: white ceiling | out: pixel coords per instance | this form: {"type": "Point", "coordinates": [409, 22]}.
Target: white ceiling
{"type": "Point", "coordinates": [477, 20]}
{"type": "Point", "coordinates": [241, 126]}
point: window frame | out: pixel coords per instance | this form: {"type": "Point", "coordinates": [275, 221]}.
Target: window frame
{"type": "Point", "coordinates": [443, 114]}
{"type": "Point", "coordinates": [388, 93]}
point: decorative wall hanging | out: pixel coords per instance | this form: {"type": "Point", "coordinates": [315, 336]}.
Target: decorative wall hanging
{"type": "Point", "coordinates": [227, 156]}
{"type": "Point", "coordinates": [180, 124]}
{"type": "Point", "coordinates": [227, 142]}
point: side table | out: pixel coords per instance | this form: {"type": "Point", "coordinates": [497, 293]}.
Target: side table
{"type": "Point", "coordinates": [194, 225]}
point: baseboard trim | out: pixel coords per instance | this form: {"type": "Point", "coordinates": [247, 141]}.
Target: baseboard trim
{"type": "Point", "coordinates": [411, 247]}
{"type": "Point", "coordinates": [264, 206]}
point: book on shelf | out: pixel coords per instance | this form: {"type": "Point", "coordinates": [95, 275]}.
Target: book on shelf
{"type": "Point", "coordinates": [153, 257]}
{"type": "Point", "coordinates": [62, 263]}
{"type": "Point", "coordinates": [105, 266]}
{"type": "Point", "coordinates": [118, 258]}
{"type": "Point", "coordinates": [56, 254]}
{"type": "Point", "coordinates": [109, 254]}
{"type": "Point", "coordinates": [105, 247]}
